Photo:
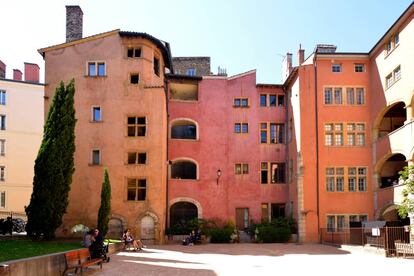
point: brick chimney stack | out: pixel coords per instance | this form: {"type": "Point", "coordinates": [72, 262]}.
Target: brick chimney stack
{"type": "Point", "coordinates": [74, 23]}
{"type": "Point", "coordinates": [31, 72]}
{"type": "Point", "coordinates": [17, 74]}
{"type": "Point", "coordinates": [301, 54]}
{"type": "Point", "coordinates": [2, 70]}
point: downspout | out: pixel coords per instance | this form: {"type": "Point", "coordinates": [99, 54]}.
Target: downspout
{"type": "Point", "coordinates": [317, 140]}
{"type": "Point", "coordinates": [167, 161]}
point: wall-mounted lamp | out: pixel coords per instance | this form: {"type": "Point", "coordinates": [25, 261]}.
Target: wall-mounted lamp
{"type": "Point", "coordinates": [218, 175]}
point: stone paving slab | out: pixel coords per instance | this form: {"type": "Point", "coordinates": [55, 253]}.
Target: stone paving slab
{"type": "Point", "coordinates": [252, 260]}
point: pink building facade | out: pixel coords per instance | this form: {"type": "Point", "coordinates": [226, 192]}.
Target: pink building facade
{"type": "Point", "coordinates": [226, 149]}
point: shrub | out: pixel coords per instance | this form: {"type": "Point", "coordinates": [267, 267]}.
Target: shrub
{"type": "Point", "coordinates": [220, 235]}
{"type": "Point", "coordinates": [270, 233]}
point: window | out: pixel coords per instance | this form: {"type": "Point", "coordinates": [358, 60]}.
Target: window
{"type": "Point", "coordinates": [263, 100]}
{"type": "Point", "coordinates": [137, 189]}
{"type": "Point", "coordinates": [263, 133]}
{"type": "Point", "coordinates": [2, 173]}
{"type": "Point", "coordinates": [276, 133]}
{"type": "Point", "coordinates": [335, 179]}
{"type": "Point", "coordinates": [396, 39]}
{"type": "Point", "coordinates": [157, 66]}
{"type": "Point", "coordinates": [2, 199]}
{"type": "Point", "coordinates": [134, 78]}
{"type": "Point", "coordinates": [184, 130]}
{"type": "Point", "coordinates": [389, 46]}
{"type": "Point", "coordinates": [336, 68]}
{"type": "Point", "coordinates": [280, 100]}
{"type": "Point", "coordinates": [137, 158]}
{"type": "Point", "coordinates": [272, 100]}
{"type": "Point", "coordinates": [241, 102]}
{"type": "Point", "coordinates": [96, 69]}
{"type": "Point", "coordinates": [264, 172]}
{"type": "Point", "coordinates": [333, 134]}
{"type": "Point", "coordinates": [2, 97]}
{"type": "Point", "coordinates": [360, 96]}
{"type": "Point", "coordinates": [350, 96]}
{"type": "Point", "coordinates": [134, 52]}
{"type": "Point", "coordinates": [357, 175]}
{"type": "Point", "coordinates": [2, 147]}
{"type": "Point", "coordinates": [355, 134]}
{"type": "Point", "coordinates": [241, 128]}
{"type": "Point", "coordinates": [241, 168]}
{"type": "Point", "coordinates": [278, 172]}
{"type": "Point", "coordinates": [359, 68]}
{"type": "Point", "coordinates": [278, 210]}
{"type": "Point", "coordinates": [330, 223]}
{"type": "Point", "coordinates": [184, 170]}
{"type": "Point", "coordinates": [265, 212]}
{"type": "Point", "coordinates": [191, 72]}
{"type": "Point", "coordinates": [136, 126]}
{"type": "Point", "coordinates": [338, 95]}
{"type": "Point", "coordinates": [2, 122]}
{"type": "Point", "coordinates": [394, 76]}
{"type": "Point", "coordinates": [397, 73]}
{"type": "Point", "coordinates": [96, 114]}
{"type": "Point", "coordinates": [328, 96]}
{"type": "Point", "coordinates": [96, 157]}
{"type": "Point", "coordinates": [340, 223]}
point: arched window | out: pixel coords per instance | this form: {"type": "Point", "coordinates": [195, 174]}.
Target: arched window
{"type": "Point", "coordinates": [184, 169]}
{"type": "Point", "coordinates": [390, 170]}
{"type": "Point", "coordinates": [183, 129]}
{"type": "Point", "coordinates": [182, 212]}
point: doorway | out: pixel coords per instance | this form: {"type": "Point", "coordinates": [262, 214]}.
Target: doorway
{"type": "Point", "coordinates": [242, 218]}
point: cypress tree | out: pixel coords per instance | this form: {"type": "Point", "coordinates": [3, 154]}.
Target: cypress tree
{"type": "Point", "coordinates": [105, 209]}
{"type": "Point", "coordinates": [54, 166]}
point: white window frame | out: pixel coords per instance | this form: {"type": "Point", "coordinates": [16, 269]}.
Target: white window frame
{"type": "Point", "coordinates": [335, 66]}
{"type": "Point", "coordinates": [96, 62]}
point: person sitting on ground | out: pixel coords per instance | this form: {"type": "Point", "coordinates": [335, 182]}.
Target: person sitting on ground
{"type": "Point", "coordinates": [129, 239]}
{"type": "Point", "coordinates": [190, 239]}
{"type": "Point", "coordinates": [87, 239]}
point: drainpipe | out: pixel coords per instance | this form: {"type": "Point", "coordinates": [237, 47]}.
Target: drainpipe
{"type": "Point", "coordinates": [166, 176]}
{"type": "Point", "coordinates": [317, 140]}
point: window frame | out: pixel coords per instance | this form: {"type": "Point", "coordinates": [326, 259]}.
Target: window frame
{"type": "Point", "coordinates": [240, 100]}
{"type": "Point", "coordinates": [359, 68]}
{"type": "Point", "coordinates": [3, 97]}
{"type": "Point", "coordinates": [136, 159]}
{"type": "Point", "coordinates": [137, 189]}
{"type": "Point", "coordinates": [2, 147]}
{"type": "Point", "coordinates": [2, 173]}
{"type": "Point", "coordinates": [336, 65]}
{"type": "Point", "coordinates": [241, 168]}
{"type": "Point", "coordinates": [241, 127]}
{"type": "Point", "coordinates": [131, 75]}
{"type": "Point", "coordinates": [96, 64]}
{"type": "Point", "coordinates": [92, 162]}
{"type": "Point", "coordinates": [134, 51]}
{"type": "Point", "coordinates": [93, 119]}
{"type": "Point", "coordinates": [136, 125]}
{"type": "Point", "coordinates": [333, 132]}
{"type": "Point", "coordinates": [332, 176]}
{"type": "Point", "coordinates": [3, 122]}
{"type": "Point", "coordinates": [3, 199]}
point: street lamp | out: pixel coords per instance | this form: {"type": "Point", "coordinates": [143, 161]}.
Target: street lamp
{"type": "Point", "coordinates": [218, 175]}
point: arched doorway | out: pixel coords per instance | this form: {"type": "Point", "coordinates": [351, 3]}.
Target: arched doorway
{"type": "Point", "coordinates": [390, 214]}
{"type": "Point", "coordinates": [148, 230]}
{"type": "Point", "coordinates": [182, 212]}
{"type": "Point", "coordinates": [115, 228]}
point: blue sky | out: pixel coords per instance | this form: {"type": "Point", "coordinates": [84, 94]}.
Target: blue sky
{"type": "Point", "coordinates": [237, 35]}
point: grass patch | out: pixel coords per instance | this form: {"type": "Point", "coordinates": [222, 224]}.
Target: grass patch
{"type": "Point", "coordinates": [22, 248]}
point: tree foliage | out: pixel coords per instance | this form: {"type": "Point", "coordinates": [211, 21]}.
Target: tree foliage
{"type": "Point", "coordinates": [54, 166]}
{"type": "Point", "coordinates": [407, 204]}
{"type": "Point", "coordinates": [105, 209]}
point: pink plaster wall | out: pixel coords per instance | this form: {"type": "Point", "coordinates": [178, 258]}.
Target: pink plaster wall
{"type": "Point", "coordinates": [219, 147]}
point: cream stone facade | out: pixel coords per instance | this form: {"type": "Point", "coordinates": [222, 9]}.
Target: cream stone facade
{"type": "Point", "coordinates": [21, 104]}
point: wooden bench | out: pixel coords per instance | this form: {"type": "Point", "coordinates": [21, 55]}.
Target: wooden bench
{"type": "Point", "coordinates": [404, 249]}
{"type": "Point", "coordinates": [80, 259]}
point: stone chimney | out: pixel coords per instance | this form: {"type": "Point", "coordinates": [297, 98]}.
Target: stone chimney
{"type": "Point", "coordinates": [31, 72]}
{"type": "Point", "coordinates": [17, 74]}
{"type": "Point", "coordinates": [286, 66]}
{"type": "Point", "coordinates": [301, 55]}
{"type": "Point", "coordinates": [2, 70]}
{"type": "Point", "coordinates": [74, 23]}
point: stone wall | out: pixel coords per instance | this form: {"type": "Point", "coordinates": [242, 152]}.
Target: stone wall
{"type": "Point", "coordinates": [200, 64]}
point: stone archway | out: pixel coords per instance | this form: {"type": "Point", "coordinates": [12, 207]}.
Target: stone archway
{"type": "Point", "coordinates": [148, 228]}
{"type": "Point", "coordinates": [116, 226]}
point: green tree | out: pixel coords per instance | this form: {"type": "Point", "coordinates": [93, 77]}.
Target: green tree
{"type": "Point", "coordinates": [54, 166]}
{"type": "Point", "coordinates": [407, 205]}
{"type": "Point", "coordinates": [105, 209]}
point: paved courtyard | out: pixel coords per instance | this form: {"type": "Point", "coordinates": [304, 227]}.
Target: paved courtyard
{"type": "Point", "coordinates": [252, 259]}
